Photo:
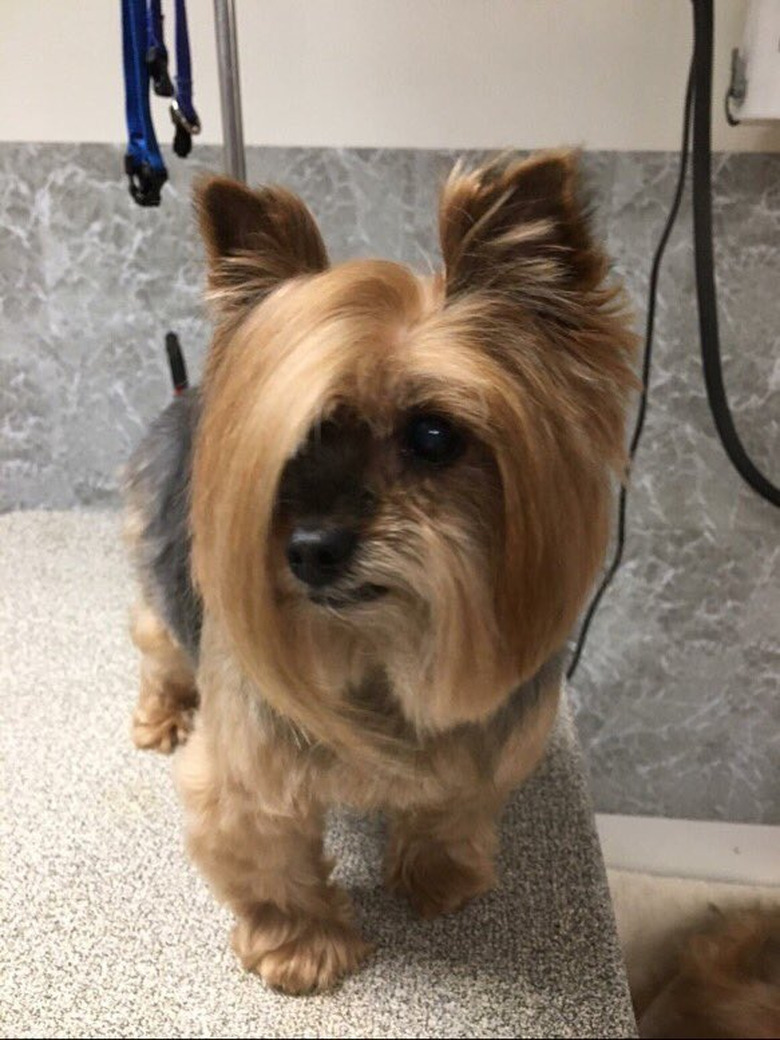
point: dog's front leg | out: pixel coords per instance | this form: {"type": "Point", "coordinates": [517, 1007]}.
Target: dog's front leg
{"type": "Point", "coordinates": [168, 696]}
{"type": "Point", "coordinates": [443, 857]}
{"type": "Point", "coordinates": [294, 925]}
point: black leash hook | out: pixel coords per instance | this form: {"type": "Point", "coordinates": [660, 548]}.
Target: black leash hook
{"type": "Point", "coordinates": [144, 182]}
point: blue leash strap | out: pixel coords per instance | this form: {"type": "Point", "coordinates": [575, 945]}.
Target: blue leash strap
{"type": "Point", "coordinates": [183, 113]}
{"type": "Point", "coordinates": [156, 51]}
{"type": "Point", "coordinates": [144, 165]}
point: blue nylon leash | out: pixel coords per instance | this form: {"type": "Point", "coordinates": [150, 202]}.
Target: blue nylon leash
{"type": "Point", "coordinates": [183, 113]}
{"type": "Point", "coordinates": [144, 164]}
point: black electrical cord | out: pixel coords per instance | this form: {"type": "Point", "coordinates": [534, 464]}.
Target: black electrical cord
{"type": "Point", "coordinates": [697, 114]}
{"type": "Point", "coordinates": [702, 239]}
{"type": "Point", "coordinates": [647, 359]}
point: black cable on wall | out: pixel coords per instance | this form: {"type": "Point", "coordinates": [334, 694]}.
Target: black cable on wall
{"type": "Point", "coordinates": [705, 274]}
{"type": "Point", "coordinates": [647, 360]}
{"type": "Point", "coordinates": [698, 118]}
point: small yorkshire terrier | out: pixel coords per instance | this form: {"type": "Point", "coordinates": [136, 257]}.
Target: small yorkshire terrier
{"type": "Point", "coordinates": [363, 541]}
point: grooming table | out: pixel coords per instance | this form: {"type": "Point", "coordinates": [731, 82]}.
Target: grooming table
{"type": "Point", "coordinates": [109, 931]}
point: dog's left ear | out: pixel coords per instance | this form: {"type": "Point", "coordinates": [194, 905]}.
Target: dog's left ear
{"type": "Point", "coordinates": [518, 228]}
{"type": "Point", "coordinates": [255, 240]}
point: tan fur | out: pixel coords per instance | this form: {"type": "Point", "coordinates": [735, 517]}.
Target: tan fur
{"type": "Point", "coordinates": [404, 704]}
{"type": "Point", "coordinates": [442, 857]}
{"type": "Point", "coordinates": [724, 981]}
{"type": "Point", "coordinates": [168, 696]}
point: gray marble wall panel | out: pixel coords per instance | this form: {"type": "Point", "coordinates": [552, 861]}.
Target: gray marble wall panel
{"type": "Point", "coordinates": [677, 694]}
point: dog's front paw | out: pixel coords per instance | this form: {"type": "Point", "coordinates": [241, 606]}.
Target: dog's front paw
{"type": "Point", "coordinates": [161, 727]}
{"type": "Point", "coordinates": [435, 881]}
{"type": "Point", "coordinates": [312, 960]}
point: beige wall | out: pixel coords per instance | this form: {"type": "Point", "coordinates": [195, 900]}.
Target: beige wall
{"type": "Point", "coordinates": [419, 73]}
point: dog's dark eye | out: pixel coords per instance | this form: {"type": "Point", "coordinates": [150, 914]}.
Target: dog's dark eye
{"type": "Point", "coordinates": [433, 439]}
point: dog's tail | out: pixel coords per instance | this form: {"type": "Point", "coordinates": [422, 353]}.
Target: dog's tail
{"type": "Point", "coordinates": [177, 364]}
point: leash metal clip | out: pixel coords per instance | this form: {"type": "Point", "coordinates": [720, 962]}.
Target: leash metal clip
{"type": "Point", "coordinates": [179, 119]}
{"type": "Point", "coordinates": [182, 138]}
{"type": "Point", "coordinates": [145, 182]}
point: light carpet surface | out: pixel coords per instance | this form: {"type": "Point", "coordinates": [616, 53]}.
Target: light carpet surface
{"type": "Point", "coordinates": [108, 930]}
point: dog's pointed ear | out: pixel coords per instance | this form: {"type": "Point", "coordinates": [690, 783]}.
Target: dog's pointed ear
{"type": "Point", "coordinates": [255, 240]}
{"type": "Point", "coordinates": [518, 228]}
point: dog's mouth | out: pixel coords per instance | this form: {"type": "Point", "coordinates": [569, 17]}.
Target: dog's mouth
{"type": "Point", "coordinates": [348, 597]}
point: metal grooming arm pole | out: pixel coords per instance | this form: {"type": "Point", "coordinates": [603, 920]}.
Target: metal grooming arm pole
{"type": "Point", "coordinates": [230, 88]}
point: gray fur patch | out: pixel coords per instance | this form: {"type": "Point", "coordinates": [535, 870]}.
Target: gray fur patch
{"type": "Point", "coordinates": [157, 492]}
{"type": "Point", "coordinates": [486, 739]}
{"type": "Point", "coordinates": [495, 733]}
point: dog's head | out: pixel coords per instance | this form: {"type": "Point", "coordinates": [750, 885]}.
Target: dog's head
{"type": "Point", "coordinates": [407, 473]}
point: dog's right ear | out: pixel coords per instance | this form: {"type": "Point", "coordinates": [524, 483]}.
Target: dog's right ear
{"type": "Point", "coordinates": [255, 240]}
{"type": "Point", "coordinates": [518, 228]}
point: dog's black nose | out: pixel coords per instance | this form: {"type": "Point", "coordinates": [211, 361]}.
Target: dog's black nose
{"type": "Point", "coordinates": [319, 555]}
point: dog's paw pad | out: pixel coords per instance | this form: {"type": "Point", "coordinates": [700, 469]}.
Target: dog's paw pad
{"type": "Point", "coordinates": [312, 962]}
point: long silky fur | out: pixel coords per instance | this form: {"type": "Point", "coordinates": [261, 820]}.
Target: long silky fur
{"type": "Point", "coordinates": [527, 345]}
{"type": "Point", "coordinates": [431, 698]}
